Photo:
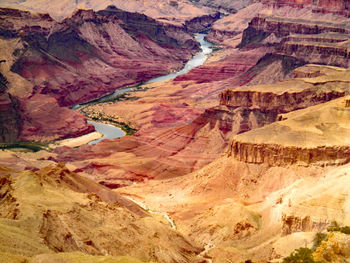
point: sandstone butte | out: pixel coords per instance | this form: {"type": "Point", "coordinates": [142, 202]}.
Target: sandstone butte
{"type": "Point", "coordinates": [243, 159]}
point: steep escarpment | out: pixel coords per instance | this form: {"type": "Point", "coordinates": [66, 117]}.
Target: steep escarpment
{"type": "Point", "coordinates": [280, 156]}
{"type": "Point", "coordinates": [311, 40]}
{"type": "Point", "coordinates": [311, 85]}
{"type": "Point", "coordinates": [282, 103]}
{"type": "Point", "coordinates": [339, 7]}
{"type": "Point", "coordinates": [83, 58]}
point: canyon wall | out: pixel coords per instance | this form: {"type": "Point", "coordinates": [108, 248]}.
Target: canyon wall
{"type": "Point", "coordinates": [85, 59]}
{"type": "Point", "coordinates": [82, 58]}
{"type": "Point", "coordinates": [281, 103]}
{"type": "Point", "coordinates": [310, 40]}
{"type": "Point", "coordinates": [10, 122]}
{"type": "Point", "coordinates": [277, 155]}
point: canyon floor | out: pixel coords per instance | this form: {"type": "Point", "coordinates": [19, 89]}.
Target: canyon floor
{"type": "Point", "coordinates": [245, 158]}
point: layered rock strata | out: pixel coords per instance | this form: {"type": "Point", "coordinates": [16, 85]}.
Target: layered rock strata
{"type": "Point", "coordinates": [312, 85]}
{"type": "Point", "coordinates": [339, 7]}
{"type": "Point", "coordinates": [311, 40]}
{"type": "Point", "coordinates": [316, 135]}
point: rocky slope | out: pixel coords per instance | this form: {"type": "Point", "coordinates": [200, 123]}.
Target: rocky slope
{"type": "Point", "coordinates": [83, 59]}
{"type": "Point", "coordinates": [224, 6]}
{"type": "Point", "coordinates": [42, 213]}
{"type": "Point", "coordinates": [243, 211]}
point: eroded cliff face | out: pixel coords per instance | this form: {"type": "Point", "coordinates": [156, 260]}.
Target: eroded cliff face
{"type": "Point", "coordinates": [277, 155]}
{"type": "Point", "coordinates": [306, 39]}
{"type": "Point", "coordinates": [307, 137]}
{"type": "Point", "coordinates": [281, 103]}
{"type": "Point", "coordinates": [91, 54]}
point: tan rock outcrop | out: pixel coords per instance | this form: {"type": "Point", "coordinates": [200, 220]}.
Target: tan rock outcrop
{"type": "Point", "coordinates": [56, 210]}
{"type": "Point", "coordinates": [316, 135]}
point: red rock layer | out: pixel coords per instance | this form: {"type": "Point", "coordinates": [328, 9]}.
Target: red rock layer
{"type": "Point", "coordinates": [315, 42]}
{"type": "Point", "coordinates": [44, 119]}
{"type": "Point", "coordinates": [285, 26]}
{"type": "Point", "coordinates": [316, 52]}
{"type": "Point", "coordinates": [233, 65]}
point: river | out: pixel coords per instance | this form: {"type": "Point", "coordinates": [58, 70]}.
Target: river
{"type": "Point", "coordinates": [112, 132]}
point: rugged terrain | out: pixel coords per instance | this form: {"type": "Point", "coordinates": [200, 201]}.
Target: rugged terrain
{"type": "Point", "coordinates": [81, 58]}
{"type": "Point", "coordinates": [242, 159]}
{"type": "Point", "coordinates": [55, 210]}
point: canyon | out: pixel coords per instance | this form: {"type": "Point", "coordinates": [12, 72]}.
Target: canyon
{"type": "Point", "coordinates": [242, 159]}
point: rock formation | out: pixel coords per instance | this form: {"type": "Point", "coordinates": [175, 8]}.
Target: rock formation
{"type": "Point", "coordinates": [316, 135]}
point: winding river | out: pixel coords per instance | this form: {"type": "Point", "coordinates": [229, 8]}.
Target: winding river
{"type": "Point", "coordinates": [112, 132]}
